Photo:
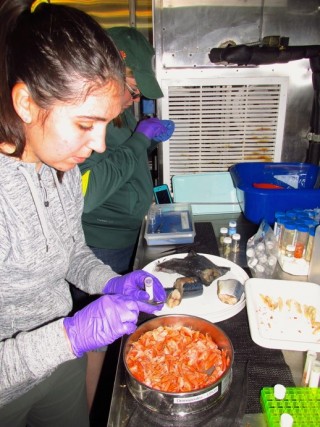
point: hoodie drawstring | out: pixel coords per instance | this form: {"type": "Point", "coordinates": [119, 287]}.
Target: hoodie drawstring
{"type": "Point", "coordinates": [54, 174]}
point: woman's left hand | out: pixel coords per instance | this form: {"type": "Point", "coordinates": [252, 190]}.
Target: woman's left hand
{"type": "Point", "coordinates": [133, 284]}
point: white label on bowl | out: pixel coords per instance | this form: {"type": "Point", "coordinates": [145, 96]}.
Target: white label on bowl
{"type": "Point", "coordinates": [180, 400]}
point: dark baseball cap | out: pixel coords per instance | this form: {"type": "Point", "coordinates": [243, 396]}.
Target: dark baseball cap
{"type": "Point", "coordinates": [138, 55]}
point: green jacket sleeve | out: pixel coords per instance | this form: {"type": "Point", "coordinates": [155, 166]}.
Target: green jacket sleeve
{"type": "Point", "coordinates": [104, 173]}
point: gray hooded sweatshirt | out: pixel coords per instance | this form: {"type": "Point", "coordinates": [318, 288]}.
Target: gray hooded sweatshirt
{"type": "Point", "coordinates": [42, 246]}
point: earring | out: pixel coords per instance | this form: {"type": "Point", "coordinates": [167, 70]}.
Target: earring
{"type": "Point", "coordinates": [27, 119]}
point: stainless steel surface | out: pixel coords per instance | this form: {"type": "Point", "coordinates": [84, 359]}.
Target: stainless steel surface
{"type": "Point", "coordinates": [123, 406]}
{"type": "Point", "coordinates": [153, 302]}
{"type": "Point", "coordinates": [314, 272]}
{"type": "Point", "coordinates": [193, 401]}
{"type": "Point", "coordinates": [110, 13]}
{"type": "Point", "coordinates": [185, 32]}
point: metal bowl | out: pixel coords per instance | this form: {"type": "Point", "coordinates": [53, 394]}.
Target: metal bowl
{"type": "Point", "coordinates": [180, 404]}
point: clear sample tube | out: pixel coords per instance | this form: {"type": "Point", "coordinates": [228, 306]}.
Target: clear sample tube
{"type": "Point", "coordinates": [315, 374]}
{"type": "Point", "coordinates": [223, 234]}
{"type": "Point", "coordinates": [226, 248]}
{"type": "Point", "coordinates": [232, 229]}
{"type": "Point", "coordinates": [288, 235]}
{"type": "Point", "coordinates": [278, 225]}
{"type": "Point", "coordinates": [310, 358]}
{"type": "Point", "coordinates": [302, 236]}
{"type": "Point", "coordinates": [312, 232]}
{"type": "Point", "coordinates": [235, 244]}
{"type": "Point", "coordinates": [148, 285]}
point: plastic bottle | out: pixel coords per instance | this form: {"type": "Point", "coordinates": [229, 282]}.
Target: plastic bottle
{"type": "Point", "coordinates": [302, 236]}
{"type": "Point", "coordinates": [232, 227]}
{"type": "Point", "coordinates": [288, 235]}
{"type": "Point", "coordinates": [223, 234]}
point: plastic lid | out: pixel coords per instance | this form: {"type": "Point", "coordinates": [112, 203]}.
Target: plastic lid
{"type": "Point", "coordinates": [227, 239]}
{"type": "Point", "coordinates": [236, 236]}
{"type": "Point", "coordinates": [253, 262]}
{"type": "Point", "coordinates": [290, 225]}
{"type": "Point", "coordinates": [279, 391]}
{"type": "Point", "coordinates": [290, 248]}
{"type": "Point", "coordinates": [223, 230]}
{"type": "Point", "coordinates": [291, 215]}
{"type": "Point", "coordinates": [309, 221]}
{"type": "Point", "coordinates": [312, 231]}
{"type": "Point", "coordinates": [286, 420]}
{"type": "Point", "coordinates": [232, 223]}
{"type": "Point", "coordinates": [303, 227]}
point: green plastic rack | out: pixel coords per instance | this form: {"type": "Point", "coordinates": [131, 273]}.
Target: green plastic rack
{"type": "Point", "coordinates": [302, 403]}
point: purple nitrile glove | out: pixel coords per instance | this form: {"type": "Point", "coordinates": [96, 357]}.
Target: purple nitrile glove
{"type": "Point", "coordinates": [151, 127]}
{"type": "Point", "coordinates": [101, 322]}
{"type": "Point", "coordinates": [132, 284]}
{"type": "Point", "coordinates": [169, 125]}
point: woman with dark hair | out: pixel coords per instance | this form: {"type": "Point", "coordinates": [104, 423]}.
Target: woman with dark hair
{"type": "Point", "coordinates": [61, 83]}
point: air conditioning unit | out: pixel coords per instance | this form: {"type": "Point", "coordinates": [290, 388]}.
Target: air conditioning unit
{"type": "Point", "coordinates": [221, 121]}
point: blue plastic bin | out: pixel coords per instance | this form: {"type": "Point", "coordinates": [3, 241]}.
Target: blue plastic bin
{"type": "Point", "coordinates": [296, 179]}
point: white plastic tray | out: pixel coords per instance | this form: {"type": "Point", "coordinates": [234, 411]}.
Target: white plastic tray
{"type": "Point", "coordinates": [283, 327]}
{"type": "Point", "coordinates": [207, 306]}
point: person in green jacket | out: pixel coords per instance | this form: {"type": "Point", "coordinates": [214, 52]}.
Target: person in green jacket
{"type": "Point", "coordinates": [117, 183]}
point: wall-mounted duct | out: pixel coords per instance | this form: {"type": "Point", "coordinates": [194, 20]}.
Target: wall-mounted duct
{"type": "Point", "coordinates": [262, 55]}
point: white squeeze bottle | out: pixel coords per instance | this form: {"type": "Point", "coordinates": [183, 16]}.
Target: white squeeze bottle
{"type": "Point", "coordinates": [314, 270]}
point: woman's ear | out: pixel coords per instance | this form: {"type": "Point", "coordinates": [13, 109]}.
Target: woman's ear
{"type": "Point", "coordinates": [22, 102]}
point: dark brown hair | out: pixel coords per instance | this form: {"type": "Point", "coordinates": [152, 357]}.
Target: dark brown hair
{"type": "Point", "coordinates": [50, 50]}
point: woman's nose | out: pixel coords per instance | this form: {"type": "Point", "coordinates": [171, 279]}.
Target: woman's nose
{"type": "Point", "coordinates": [98, 143]}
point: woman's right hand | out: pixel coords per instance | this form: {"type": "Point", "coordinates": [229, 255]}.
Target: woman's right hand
{"type": "Point", "coordinates": [101, 322]}
{"type": "Point", "coordinates": [151, 127]}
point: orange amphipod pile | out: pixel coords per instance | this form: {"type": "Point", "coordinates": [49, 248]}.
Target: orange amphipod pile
{"type": "Point", "coordinates": [173, 359]}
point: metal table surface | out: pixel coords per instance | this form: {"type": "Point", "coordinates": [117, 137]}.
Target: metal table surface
{"type": "Point", "coordinates": [123, 405]}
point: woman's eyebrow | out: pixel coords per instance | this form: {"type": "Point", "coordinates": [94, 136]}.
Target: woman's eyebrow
{"type": "Point", "coordinates": [96, 118]}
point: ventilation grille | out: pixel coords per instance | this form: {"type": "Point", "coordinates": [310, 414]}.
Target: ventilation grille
{"type": "Point", "coordinates": [219, 125]}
